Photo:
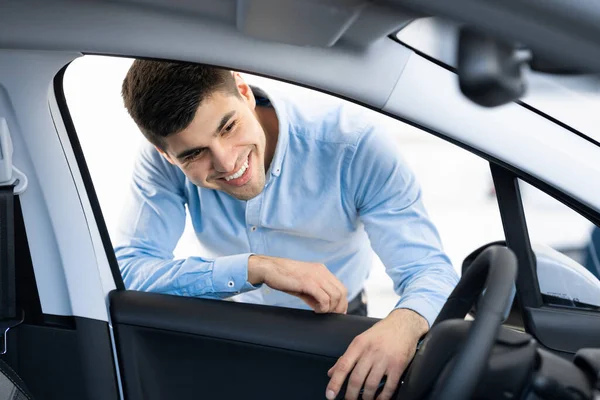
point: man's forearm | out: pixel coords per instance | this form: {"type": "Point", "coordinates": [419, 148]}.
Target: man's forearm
{"type": "Point", "coordinates": [194, 276]}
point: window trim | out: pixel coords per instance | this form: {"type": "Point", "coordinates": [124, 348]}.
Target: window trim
{"type": "Point", "coordinates": [61, 101]}
{"type": "Point", "coordinates": [517, 237]}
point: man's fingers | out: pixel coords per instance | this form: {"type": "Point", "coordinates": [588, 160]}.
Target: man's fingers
{"type": "Point", "coordinates": [340, 286]}
{"type": "Point", "coordinates": [336, 289]}
{"type": "Point", "coordinates": [393, 377]}
{"type": "Point", "coordinates": [330, 284]}
{"type": "Point", "coordinates": [317, 299]}
{"type": "Point", "coordinates": [357, 377]}
{"type": "Point", "coordinates": [339, 292]}
{"type": "Point", "coordinates": [373, 380]}
{"type": "Point", "coordinates": [321, 298]}
{"type": "Point", "coordinates": [304, 280]}
{"type": "Point", "coordinates": [335, 296]}
{"type": "Point", "coordinates": [344, 297]}
{"type": "Point", "coordinates": [342, 368]}
{"type": "Point", "coordinates": [342, 304]}
{"type": "Point", "coordinates": [308, 300]}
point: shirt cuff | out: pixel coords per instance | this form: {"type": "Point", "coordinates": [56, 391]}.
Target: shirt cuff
{"type": "Point", "coordinates": [420, 306]}
{"type": "Point", "coordinates": [230, 274]}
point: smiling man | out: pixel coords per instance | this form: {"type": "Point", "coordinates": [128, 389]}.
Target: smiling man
{"type": "Point", "coordinates": [288, 200]}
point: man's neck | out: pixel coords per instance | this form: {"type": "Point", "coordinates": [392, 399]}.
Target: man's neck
{"type": "Point", "coordinates": [270, 124]}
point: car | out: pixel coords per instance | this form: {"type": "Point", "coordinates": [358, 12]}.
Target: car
{"type": "Point", "coordinates": [72, 330]}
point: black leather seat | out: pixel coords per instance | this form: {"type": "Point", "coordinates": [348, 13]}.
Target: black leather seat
{"type": "Point", "coordinates": [11, 385]}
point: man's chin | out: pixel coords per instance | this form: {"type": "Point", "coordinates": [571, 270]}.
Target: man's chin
{"type": "Point", "coordinates": [244, 193]}
{"type": "Point", "coordinates": [243, 196]}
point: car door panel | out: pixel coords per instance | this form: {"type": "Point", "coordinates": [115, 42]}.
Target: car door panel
{"type": "Point", "coordinates": [564, 329]}
{"type": "Point", "coordinates": [172, 346]}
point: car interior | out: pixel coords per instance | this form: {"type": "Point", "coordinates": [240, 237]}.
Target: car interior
{"type": "Point", "coordinates": [73, 331]}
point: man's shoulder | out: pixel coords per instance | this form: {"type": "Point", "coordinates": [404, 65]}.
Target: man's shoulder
{"type": "Point", "coordinates": [149, 158]}
{"type": "Point", "coordinates": [329, 120]}
{"type": "Point", "coordinates": [152, 166]}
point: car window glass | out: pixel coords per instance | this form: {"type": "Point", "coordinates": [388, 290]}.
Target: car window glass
{"type": "Point", "coordinates": [567, 250]}
{"type": "Point", "coordinates": [570, 98]}
{"type": "Point", "coordinates": [456, 185]}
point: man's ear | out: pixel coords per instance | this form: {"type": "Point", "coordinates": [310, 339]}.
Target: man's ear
{"type": "Point", "coordinates": [165, 155]}
{"type": "Point", "coordinates": [244, 90]}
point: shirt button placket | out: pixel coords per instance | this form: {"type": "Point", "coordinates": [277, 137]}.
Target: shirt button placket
{"type": "Point", "coordinates": [252, 222]}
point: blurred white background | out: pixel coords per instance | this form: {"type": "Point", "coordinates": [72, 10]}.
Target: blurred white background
{"type": "Point", "coordinates": [457, 185]}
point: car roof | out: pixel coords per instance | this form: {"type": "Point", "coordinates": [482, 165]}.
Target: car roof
{"type": "Point", "coordinates": [562, 29]}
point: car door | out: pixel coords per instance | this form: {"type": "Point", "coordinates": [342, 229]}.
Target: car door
{"type": "Point", "coordinates": [171, 347]}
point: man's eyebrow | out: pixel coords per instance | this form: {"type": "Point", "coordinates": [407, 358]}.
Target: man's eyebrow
{"type": "Point", "coordinates": [224, 121]}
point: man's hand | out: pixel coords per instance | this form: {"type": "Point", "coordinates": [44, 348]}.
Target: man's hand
{"type": "Point", "coordinates": [383, 350]}
{"type": "Point", "coordinates": [311, 282]}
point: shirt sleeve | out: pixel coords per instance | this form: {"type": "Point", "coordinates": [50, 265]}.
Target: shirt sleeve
{"type": "Point", "coordinates": [150, 226]}
{"type": "Point", "coordinates": [388, 200]}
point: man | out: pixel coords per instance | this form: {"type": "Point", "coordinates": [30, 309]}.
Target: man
{"type": "Point", "coordinates": [289, 200]}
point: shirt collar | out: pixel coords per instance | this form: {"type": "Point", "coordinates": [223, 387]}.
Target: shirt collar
{"type": "Point", "coordinates": [283, 137]}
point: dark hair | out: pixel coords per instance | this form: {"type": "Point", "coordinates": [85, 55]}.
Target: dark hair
{"type": "Point", "coordinates": [163, 97]}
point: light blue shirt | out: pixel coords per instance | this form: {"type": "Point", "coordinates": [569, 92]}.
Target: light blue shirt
{"type": "Point", "coordinates": [336, 188]}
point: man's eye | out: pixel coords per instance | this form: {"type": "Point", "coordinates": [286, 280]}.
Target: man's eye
{"type": "Point", "coordinates": [230, 127]}
{"type": "Point", "coordinates": [193, 156]}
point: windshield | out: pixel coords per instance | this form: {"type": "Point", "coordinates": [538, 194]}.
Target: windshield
{"type": "Point", "coordinates": [570, 99]}
{"type": "Point", "coordinates": [574, 101]}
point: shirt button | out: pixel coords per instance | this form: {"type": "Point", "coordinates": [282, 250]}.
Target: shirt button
{"type": "Point", "coordinates": [253, 228]}
{"type": "Point", "coordinates": [230, 284]}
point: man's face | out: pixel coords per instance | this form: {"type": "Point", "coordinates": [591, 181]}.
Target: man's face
{"type": "Point", "coordinates": [224, 146]}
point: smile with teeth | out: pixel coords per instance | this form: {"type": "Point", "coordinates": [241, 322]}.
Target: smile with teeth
{"type": "Point", "coordinates": [239, 173]}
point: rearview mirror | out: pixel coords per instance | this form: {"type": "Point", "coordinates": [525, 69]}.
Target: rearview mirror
{"type": "Point", "coordinates": [489, 71]}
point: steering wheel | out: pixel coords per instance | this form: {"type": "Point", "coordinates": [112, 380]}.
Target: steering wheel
{"type": "Point", "coordinates": [455, 352]}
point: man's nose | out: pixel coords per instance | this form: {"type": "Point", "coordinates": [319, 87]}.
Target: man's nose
{"type": "Point", "coordinates": [223, 159]}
